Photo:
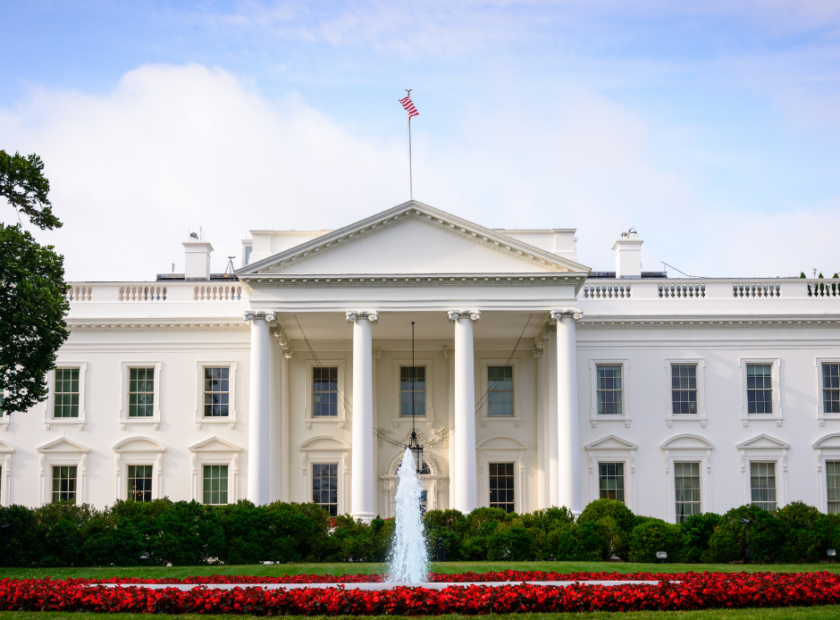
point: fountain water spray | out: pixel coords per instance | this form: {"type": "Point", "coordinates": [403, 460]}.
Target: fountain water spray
{"type": "Point", "coordinates": [409, 558]}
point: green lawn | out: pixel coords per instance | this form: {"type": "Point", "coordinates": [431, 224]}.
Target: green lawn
{"type": "Point", "coordinates": [180, 572]}
{"type": "Point", "coordinates": [828, 612]}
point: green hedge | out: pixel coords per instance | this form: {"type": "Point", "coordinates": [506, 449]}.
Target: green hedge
{"type": "Point", "coordinates": [188, 533]}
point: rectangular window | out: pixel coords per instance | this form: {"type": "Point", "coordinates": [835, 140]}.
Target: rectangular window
{"type": "Point", "coordinates": [139, 483]}
{"type": "Point", "coordinates": [64, 483]}
{"type": "Point", "coordinates": [500, 391]}
{"type": "Point", "coordinates": [325, 487]}
{"type": "Point", "coordinates": [66, 393]}
{"type": "Point", "coordinates": [501, 487]}
{"type": "Point", "coordinates": [324, 392]}
{"type": "Point", "coordinates": [831, 388]}
{"type": "Point", "coordinates": [684, 388]}
{"type": "Point", "coordinates": [141, 392]}
{"type": "Point", "coordinates": [215, 484]}
{"type": "Point", "coordinates": [759, 388]}
{"type": "Point", "coordinates": [216, 392]}
{"type": "Point", "coordinates": [832, 473]}
{"type": "Point", "coordinates": [687, 490]}
{"type": "Point", "coordinates": [763, 485]}
{"type": "Point", "coordinates": [413, 383]}
{"type": "Point", "coordinates": [609, 390]}
{"type": "Point", "coordinates": [611, 481]}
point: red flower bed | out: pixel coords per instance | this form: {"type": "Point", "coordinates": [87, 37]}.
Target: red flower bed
{"type": "Point", "coordinates": [676, 592]}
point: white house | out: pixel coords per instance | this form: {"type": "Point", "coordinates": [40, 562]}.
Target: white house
{"type": "Point", "coordinates": [538, 382]}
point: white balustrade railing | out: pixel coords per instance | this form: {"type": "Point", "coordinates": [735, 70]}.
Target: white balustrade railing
{"type": "Point", "coordinates": [756, 289]}
{"type": "Point", "coordinates": [142, 293]}
{"type": "Point", "coordinates": [606, 291]}
{"type": "Point", "coordinates": [682, 290]}
{"type": "Point", "coordinates": [79, 293]}
{"type": "Point", "coordinates": [218, 293]}
{"type": "Point", "coordinates": [823, 288]}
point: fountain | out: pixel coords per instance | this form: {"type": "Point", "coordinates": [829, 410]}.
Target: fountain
{"type": "Point", "coordinates": [409, 558]}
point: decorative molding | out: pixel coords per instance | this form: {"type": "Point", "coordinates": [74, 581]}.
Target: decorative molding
{"type": "Point", "coordinates": [123, 326]}
{"type": "Point", "coordinates": [260, 315]}
{"type": "Point", "coordinates": [454, 315]}
{"type": "Point", "coordinates": [355, 315]}
{"type": "Point", "coordinates": [413, 210]}
{"type": "Point", "coordinates": [575, 313]}
{"type": "Point", "coordinates": [705, 324]}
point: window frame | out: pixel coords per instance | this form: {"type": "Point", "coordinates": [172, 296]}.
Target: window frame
{"type": "Point", "coordinates": [311, 479]}
{"type": "Point", "coordinates": [427, 419]}
{"type": "Point", "coordinates": [124, 418]}
{"type": "Point", "coordinates": [623, 479]}
{"type": "Point", "coordinates": [6, 473]}
{"type": "Point", "coordinates": [49, 403]}
{"type": "Point", "coordinates": [341, 418]}
{"type": "Point", "coordinates": [513, 476]}
{"type": "Point", "coordinates": [626, 416]}
{"type": "Point", "coordinates": [688, 448]}
{"type": "Point", "coordinates": [822, 416]}
{"type": "Point", "coordinates": [826, 448]}
{"type": "Point", "coordinates": [484, 414]}
{"type": "Point", "coordinates": [776, 385]}
{"type": "Point", "coordinates": [612, 449]}
{"type": "Point", "coordinates": [699, 489]}
{"type": "Point", "coordinates": [63, 451]}
{"type": "Point", "coordinates": [764, 449]}
{"type": "Point", "coordinates": [700, 416]}
{"type": "Point", "coordinates": [200, 418]}
{"type": "Point", "coordinates": [215, 451]}
{"type": "Point", "coordinates": [502, 449]}
{"type": "Point", "coordinates": [325, 450]}
{"type": "Point", "coordinates": [753, 502]}
{"type": "Point", "coordinates": [138, 450]}
{"type": "Point", "coordinates": [203, 477]}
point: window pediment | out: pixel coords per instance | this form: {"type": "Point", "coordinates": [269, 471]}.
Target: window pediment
{"type": "Point", "coordinates": [501, 442]}
{"type": "Point", "coordinates": [323, 443]}
{"type": "Point", "coordinates": [611, 442]}
{"type": "Point", "coordinates": [687, 442]}
{"type": "Point", "coordinates": [215, 444]}
{"type": "Point", "coordinates": [138, 444]}
{"type": "Point", "coordinates": [763, 442]}
{"type": "Point", "coordinates": [62, 445]}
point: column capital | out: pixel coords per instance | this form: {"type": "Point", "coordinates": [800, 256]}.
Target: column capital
{"type": "Point", "coordinates": [256, 315]}
{"type": "Point", "coordinates": [355, 315]}
{"type": "Point", "coordinates": [454, 315]}
{"type": "Point", "coordinates": [575, 313]}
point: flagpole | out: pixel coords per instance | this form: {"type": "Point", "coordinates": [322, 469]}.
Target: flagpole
{"type": "Point", "coordinates": [410, 177]}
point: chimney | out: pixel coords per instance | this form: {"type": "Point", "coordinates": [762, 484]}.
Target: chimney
{"type": "Point", "coordinates": [628, 255]}
{"type": "Point", "coordinates": [197, 259]}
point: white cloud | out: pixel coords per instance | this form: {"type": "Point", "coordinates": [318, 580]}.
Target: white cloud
{"type": "Point", "coordinates": [175, 148]}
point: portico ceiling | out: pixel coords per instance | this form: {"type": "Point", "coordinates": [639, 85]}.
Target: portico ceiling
{"type": "Point", "coordinates": [429, 326]}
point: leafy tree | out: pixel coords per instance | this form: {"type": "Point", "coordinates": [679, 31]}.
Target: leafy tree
{"type": "Point", "coordinates": [23, 184]}
{"type": "Point", "coordinates": [32, 289]}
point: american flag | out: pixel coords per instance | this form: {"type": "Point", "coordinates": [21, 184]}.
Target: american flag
{"type": "Point", "coordinates": [408, 104]}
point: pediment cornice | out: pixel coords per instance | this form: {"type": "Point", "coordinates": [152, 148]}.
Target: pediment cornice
{"type": "Point", "coordinates": [537, 259]}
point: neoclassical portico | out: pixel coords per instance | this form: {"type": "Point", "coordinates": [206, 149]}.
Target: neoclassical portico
{"type": "Point", "coordinates": [476, 296]}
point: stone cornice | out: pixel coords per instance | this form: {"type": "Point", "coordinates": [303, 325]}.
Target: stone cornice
{"type": "Point", "coordinates": [417, 280]}
{"type": "Point", "coordinates": [413, 210]}
{"type": "Point", "coordinates": [135, 325]}
{"type": "Point", "coordinates": [592, 323]}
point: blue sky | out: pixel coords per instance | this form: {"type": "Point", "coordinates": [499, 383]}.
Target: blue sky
{"type": "Point", "coordinates": [712, 127]}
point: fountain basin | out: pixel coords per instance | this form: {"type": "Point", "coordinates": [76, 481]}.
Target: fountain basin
{"type": "Point", "coordinates": [428, 585]}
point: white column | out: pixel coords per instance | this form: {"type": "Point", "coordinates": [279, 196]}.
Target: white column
{"type": "Point", "coordinates": [285, 439]}
{"type": "Point", "coordinates": [551, 419]}
{"type": "Point", "coordinates": [362, 477]}
{"type": "Point", "coordinates": [568, 439]}
{"type": "Point", "coordinates": [464, 436]}
{"type": "Point", "coordinates": [258, 410]}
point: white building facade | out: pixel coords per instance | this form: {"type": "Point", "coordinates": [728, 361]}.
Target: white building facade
{"type": "Point", "coordinates": [535, 381]}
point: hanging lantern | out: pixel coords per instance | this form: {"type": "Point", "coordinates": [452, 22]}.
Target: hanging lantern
{"type": "Point", "coordinates": [416, 452]}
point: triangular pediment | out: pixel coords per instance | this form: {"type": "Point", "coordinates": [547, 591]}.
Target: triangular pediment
{"type": "Point", "coordinates": [763, 441]}
{"type": "Point", "coordinates": [138, 444]}
{"type": "Point", "coordinates": [62, 444]}
{"type": "Point", "coordinates": [611, 442]}
{"type": "Point", "coordinates": [6, 448]}
{"type": "Point", "coordinates": [411, 238]}
{"type": "Point", "coordinates": [215, 444]}
{"type": "Point", "coordinates": [688, 442]}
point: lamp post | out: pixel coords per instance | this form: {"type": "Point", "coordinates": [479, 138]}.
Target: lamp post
{"type": "Point", "coordinates": [746, 523]}
{"type": "Point", "coordinates": [413, 442]}
{"type": "Point", "coordinates": [662, 556]}
{"type": "Point", "coordinates": [830, 553]}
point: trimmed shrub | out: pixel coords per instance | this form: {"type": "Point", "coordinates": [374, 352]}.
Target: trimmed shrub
{"type": "Point", "coordinates": [579, 542]}
{"type": "Point", "coordinates": [766, 536]}
{"type": "Point", "coordinates": [617, 520]}
{"type": "Point", "coordinates": [655, 535]}
{"type": "Point", "coordinates": [697, 530]}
